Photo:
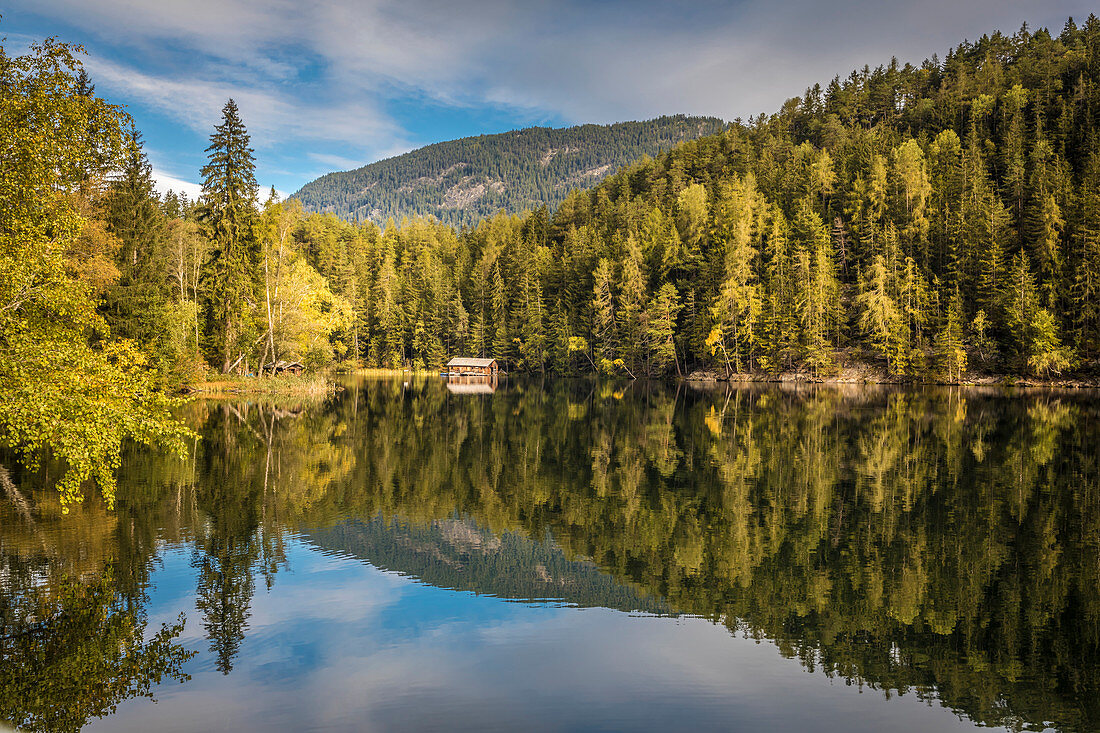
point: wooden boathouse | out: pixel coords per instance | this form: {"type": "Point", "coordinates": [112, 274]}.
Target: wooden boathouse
{"type": "Point", "coordinates": [464, 366]}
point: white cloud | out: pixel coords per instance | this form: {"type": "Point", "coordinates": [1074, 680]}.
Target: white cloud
{"type": "Point", "coordinates": [608, 60]}
{"type": "Point", "coordinates": [323, 72]}
{"type": "Point", "coordinates": [270, 115]}
{"type": "Point", "coordinates": [165, 183]}
{"type": "Point", "coordinates": [265, 190]}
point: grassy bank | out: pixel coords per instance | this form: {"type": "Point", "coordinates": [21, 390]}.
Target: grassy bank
{"type": "Point", "coordinates": [373, 372]}
{"type": "Point", "coordinates": [285, 384]}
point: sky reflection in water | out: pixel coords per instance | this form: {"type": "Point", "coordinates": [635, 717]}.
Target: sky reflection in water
{"type": "Point", "coordinates": [339, 645]}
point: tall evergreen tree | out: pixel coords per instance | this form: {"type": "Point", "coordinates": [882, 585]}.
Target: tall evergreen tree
{"type": "Point", "coordinates": [135, 306]}
{"type": "Point", "coordinates": [662, 312]}
{"type": "Point", "coordinates": [1086, 281]}
{"type": "Point", "coordinates": [228, 213]}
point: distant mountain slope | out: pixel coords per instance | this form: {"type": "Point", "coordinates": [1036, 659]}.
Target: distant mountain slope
{"type": "Point", "coordinates": [462, 555]}
{"type": "Point", "coordinates": [464, 180]}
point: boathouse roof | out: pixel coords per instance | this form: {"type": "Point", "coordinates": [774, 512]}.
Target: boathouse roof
{"type": "Point", "coordinates": [466, 361]}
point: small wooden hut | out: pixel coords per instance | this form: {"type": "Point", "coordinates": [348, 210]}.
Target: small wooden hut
{"type": "Point", "coordinates": [284, 367]}
{"type": "Point", "coordinates": [465, 366]}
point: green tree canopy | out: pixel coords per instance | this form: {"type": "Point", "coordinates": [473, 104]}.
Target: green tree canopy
{"type": "Point", "coordinates": [66, 392]}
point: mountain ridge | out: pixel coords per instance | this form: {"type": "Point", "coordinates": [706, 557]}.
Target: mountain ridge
{"type": "Point", "coordinates": [464, 180]}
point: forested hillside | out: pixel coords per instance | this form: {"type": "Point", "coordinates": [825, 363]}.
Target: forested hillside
{"type": "Point", "coordinates": [463, 181]}
{"type": "Point", "coordinates": [930, 219]}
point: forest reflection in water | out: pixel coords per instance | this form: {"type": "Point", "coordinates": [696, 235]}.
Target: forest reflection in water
{"type": "Point", "coordinates": [944, 542]}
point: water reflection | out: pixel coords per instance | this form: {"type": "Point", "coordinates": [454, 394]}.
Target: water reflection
{"type": "Point", "coordinates": [74, 638]}
{"type": "Point", "coordinates": [942, 542]}
{"type": "Point", "coordinates": [458, 554]}
{"type": "Point", "coordinates": [472, 385]}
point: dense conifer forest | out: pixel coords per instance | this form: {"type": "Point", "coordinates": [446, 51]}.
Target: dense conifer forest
{"type": "Point", "coordinates": [930, 221]}
{"type": "Point", "coordinates": [463, 181]}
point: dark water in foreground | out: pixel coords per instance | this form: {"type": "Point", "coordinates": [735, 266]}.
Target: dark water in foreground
{"type": "Point", "coordinates": [577, 556]}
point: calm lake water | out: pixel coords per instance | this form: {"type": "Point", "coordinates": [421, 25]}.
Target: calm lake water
{"type": "Point", "coordinates": [567, 555]}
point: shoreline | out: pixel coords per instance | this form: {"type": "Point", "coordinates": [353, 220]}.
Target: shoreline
{"type": "Point", "coordinates": [875, 377]}
{"type": "Point", "coordinates": [319, 383]}
{"type": "Point", "coordinates": [326, 382]}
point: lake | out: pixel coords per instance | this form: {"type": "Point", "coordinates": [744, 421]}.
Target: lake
{"type": "Point", "coordinates": [572, 555]}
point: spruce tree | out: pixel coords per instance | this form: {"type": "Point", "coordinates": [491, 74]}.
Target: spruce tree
{"type": "Point", "coordinates": [228, 213]}
{"type": "Point", "coordinates": [502, 339]}
{"type": "Point", "coordinates": [135, 306]}
{"type": "Point", "coordinates": [662, 312]}
{"type": "Point", "coordinates": [950, 349]}
{"type": "Point", "coordinates": [603, 315]}
{"type": "Point", "coordinates": [1086, 281]}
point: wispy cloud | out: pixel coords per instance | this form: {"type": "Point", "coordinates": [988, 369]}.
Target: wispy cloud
{"type": "Point", "coordinates": [330, 71]}
{"type": "Point", "coordinates": [272, 114]}
{"type": "Point", "coordinates": [609, 60]}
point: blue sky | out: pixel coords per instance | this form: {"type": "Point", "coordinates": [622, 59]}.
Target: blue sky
{"type": "Point", "coordinates": [334, 84]}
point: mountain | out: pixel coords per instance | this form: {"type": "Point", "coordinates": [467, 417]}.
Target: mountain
{"type": "Point", "coordinates": [458, 553]}
{"type": "Point", "coordinates": [462, 181]}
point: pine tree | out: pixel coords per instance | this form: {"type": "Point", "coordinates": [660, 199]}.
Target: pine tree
{"type": "Point", "coordinates": [603, 316]}
{"type": "Point", "coordinates": [1086, 281]}
{"type": "Point", "coordinates": [880, 318]}
{"type": "Point", "coordinates": [914, 297]}
{"type": "Point", "coordinates": [947, 192]}
{"type": "Point", "coordinates": [533, 332]}
{"type": "Point", "coordinates": [780, 331]}
{"type": "Point", "coordinates": [1021, 301]}
{"type": "Point", "coordinates": [817, 289]}
{"type": "Point", "coordinates": [561, 360]}
{"type": "Point", "coordinates": [228, 213]}
{"type": "Point", "coordinates": [631, 315]}
{"type": "Point", "coordinates": [1048, 355]}
{"type": "Point", "coordinates": [1013, 154]}
{"type": "Point", "coordinates": [950, 350]}
{"type": "Point", "coordinates": [992, 234]}
{"type": "Point", "coordinates": [1044, 222]}
{"type": "Point", "coordinates": [662, 312]}
{"type": "Point", "coordinates": [737, 305]}
{"type": "Point", "coordinates": [912, 189]}
{"type": "Point", "coordinates": [390, 346]}
{"type": "Point", "coordinates": [135, 307]}
{"type": "Point", "coordinates": [502, 340]}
